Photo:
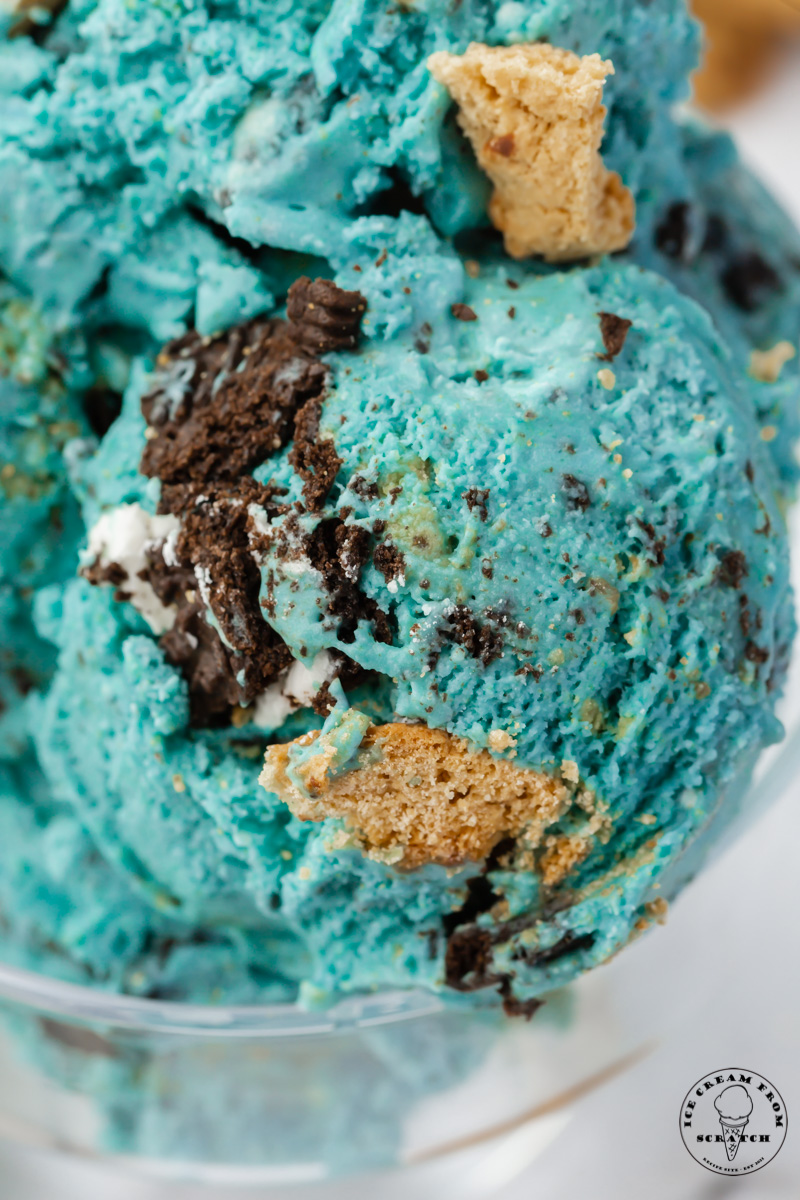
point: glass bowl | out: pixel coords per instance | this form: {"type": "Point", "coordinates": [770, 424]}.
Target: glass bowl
{"type": "Point", "coordinates": [280, 1096]}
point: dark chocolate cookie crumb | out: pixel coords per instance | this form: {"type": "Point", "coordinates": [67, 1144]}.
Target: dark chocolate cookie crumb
{"type": "Point", "coordinates": [732, 569]}
{"type": "Point", "coordinates": [576, 494]}
{"type": "Point", "coordinates": [467, 960]}
{"type": "Point", "coordinates": [750, 281]}
{"type": "Point", "coordinates": [216, 570]}
{"type": "Point", "coordinates": [26, 26]}
{"type": "Point", "coordinates": [513, 1007]}
{"type": "Point", "coordinates": [479, 641]}
{"type": "Point", "coordinates": [112, 573]}
{"type": "Point", "coordinates": [503, 144]}
{"type": "Point", "coordinates": [338, 552]}
{"type": "Point", "coordinates": [314, 459]}
{"type": "Point", "coordinates": [102, 406]}
{"type": "Point", "coordinates": [366, 489]}
{"type": "Point", "coordinates": [389, 561]}
{"type": "Point", "coordinates": [614, 331]}
{"type": "Point", "coordinates": [673, 233]}
{"type": "Point", "coordinates": [324, 317]}
{"type": "Point", "coordinates": [477, 498]}
{"type": "Point", "coordinates": [755, 654]}
{"type": "Point", "coordinates": [655, 546]}
{"type": "Point", "coordinates": [570, 943]}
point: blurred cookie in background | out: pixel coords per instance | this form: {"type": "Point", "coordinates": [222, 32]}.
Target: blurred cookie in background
{"type": "Point", "coordinates": [743, 39]}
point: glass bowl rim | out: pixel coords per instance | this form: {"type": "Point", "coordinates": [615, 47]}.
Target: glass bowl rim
{"type": "Point", "coordinates": [82, 1004]}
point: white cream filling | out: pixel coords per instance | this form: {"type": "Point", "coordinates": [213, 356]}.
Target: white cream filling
{"type": "Point", "coordinates": [123, 536]}
{"type": "Point", "coordinates": [294, 689]}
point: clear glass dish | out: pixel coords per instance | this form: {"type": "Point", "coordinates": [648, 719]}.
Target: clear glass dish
{"type": "Point", "coordinates": [430, 1095]}
{"type": "Point", "coordinates": [278, 1096]}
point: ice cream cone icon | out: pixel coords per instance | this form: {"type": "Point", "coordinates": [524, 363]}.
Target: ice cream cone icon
{"type": "Point", "coordinates": [734, 1107]}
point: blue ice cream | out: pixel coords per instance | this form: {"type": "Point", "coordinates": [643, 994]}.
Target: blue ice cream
{"type": "Point", "coordinates": [504, 525]}
{"type": "Point", "coordinates": [498, 543]}
{"type": "Point", "coordinates": [40, 414]}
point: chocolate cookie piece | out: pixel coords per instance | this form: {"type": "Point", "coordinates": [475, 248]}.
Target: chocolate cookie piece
{"type": "Point", "coordinates": [217, 408]}
{"type": "Point", "coordinates": [324, 317]}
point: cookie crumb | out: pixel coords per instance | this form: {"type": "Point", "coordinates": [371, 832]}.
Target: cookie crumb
{"type": "Point", "coordinates": [501, 739]}
{"type": "Point", "coordinates": [766, 365]}
{"type": "Point", "coordinates": [614, 331]}
{"type": "Point", "coordinates": [569, 770]}
{"type": "Point", "coordinates": [657, 910]}
{"type": "Point", "coordinates": [534, 115]}
{"type": "Point", "coordinates": [607, 378]}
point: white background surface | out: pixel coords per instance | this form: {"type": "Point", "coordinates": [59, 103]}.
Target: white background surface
{"type": "Point", "coordinates": [737, 926]}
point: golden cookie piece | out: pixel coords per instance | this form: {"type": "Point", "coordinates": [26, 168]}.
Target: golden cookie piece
{"type": "Point", "coordinates": [415, 795]}
{"type": "Point", "coordinates": [534, 115]}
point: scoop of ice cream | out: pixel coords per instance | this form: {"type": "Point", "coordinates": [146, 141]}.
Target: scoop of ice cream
{"type": "Point", "coordinates": [734, 1103]}
{"type": "Point", "coordinates": [497, 544]}
{"type": "Point", "coordinates": [503, 528]}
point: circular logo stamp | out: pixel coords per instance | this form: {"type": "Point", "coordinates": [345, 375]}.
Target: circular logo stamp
{"type": "Point", "coordinates": [733, 1122]}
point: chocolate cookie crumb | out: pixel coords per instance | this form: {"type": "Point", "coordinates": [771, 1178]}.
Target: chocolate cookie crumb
{"type": "Point", "coordinates": [479, 641]}
{"type": "Point", "coordinates": [338, 554]}
{"type": "Point", "coordinates": [324, 317]}
{"type": "Point", "coordinates": [570, 943]}
{"type": "Point", "coordinates": [672, 234]}
{"type": "Point", "coordinates": [755, 654]}
{"type": "Point", "coordinates": [367, 490]}
{"type": "Point", "coordinates": [614, 331]}
{"type": "Point", "coordinates": [476, 498]}
{"type": "Point", "coordinates": [503, 145]}
{"type": "Point", "coordinates": [221, 407]}
{"type": "Point", "coordinates": [732, 569]}
{"type": "Point", "coordinates": [469, 954]}
{"type": "Point", "coordinates": [750, 281]}
{"type": "Point", "coordinates": [389, 561]}
{"type": "Point", "coordinates": [513, 1007]}
{"type": "Point", "coordinates": [576, 494]}
{"type": "Point", "coordinates": [314, 459]}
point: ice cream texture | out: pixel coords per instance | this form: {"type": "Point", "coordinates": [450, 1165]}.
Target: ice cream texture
{"type": "Point", "coordinates": [480, 565]}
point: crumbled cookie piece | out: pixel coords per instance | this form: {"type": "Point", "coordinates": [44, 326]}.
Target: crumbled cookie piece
{"type": "Point", "coordinates": [324, 317]}
{"type": "Point", "coordinates": [413, 795]}
{"type": "Point", "coordinates": [534, 115]}
{"type": "Point", "coordinates": [500, 740]}
{"type": "Point", "coordinates": [614, 332]}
